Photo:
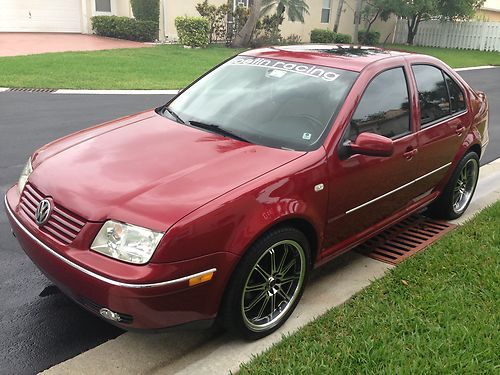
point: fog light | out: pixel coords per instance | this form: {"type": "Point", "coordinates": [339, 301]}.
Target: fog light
{"type": "Point", "coordinates": [108, 314]}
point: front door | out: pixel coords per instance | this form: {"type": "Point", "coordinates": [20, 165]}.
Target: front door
{"type": "Point", "coordinates": [366, 189]}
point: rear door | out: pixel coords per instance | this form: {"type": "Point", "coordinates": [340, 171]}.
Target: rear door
{"type": "Point", "coordinates": [366, 189]}
{"type": "Point", "coordinates": [442, 122]}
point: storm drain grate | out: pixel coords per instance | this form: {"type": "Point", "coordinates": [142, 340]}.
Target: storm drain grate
{"type": "Point", "coordinates": [31, 90]}
{"type": "Point", "coordinates": [404, 239]}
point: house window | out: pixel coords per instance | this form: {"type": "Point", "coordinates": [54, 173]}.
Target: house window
{"type": "Point", "coordinates": [325, 12]}
{"type": "Point", "coordinates": [103, 6]}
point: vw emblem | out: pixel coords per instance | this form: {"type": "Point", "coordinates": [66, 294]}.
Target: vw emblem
{"type": "Point", "coordinates": [43, 211]}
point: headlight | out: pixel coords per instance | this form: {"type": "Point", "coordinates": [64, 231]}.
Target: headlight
{"type": "Point", "coordinates": [126, 242]}
{"type": "Point", "coordinates": [24, 176]}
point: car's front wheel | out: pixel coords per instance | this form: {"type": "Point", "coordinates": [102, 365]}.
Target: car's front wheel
{"type": "Point", "coordinates": [458, 193]}
{"type": "Point", "coordinates": [267, 284]}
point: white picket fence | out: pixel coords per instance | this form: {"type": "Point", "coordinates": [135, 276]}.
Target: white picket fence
{"type": "Point", "coordinates": [484, 36]}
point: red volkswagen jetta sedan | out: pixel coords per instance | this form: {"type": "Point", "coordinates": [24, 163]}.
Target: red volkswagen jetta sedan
{"type": "Point", "coordinates": [221, 202]}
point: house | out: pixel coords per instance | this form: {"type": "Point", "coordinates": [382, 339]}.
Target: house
{"type": "Point", "coordinates": [490, 11]}
{"type": "Point", "coordinates": [73, 16]}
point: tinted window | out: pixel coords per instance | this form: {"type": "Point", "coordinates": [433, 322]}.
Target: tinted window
{"type": "Point", "coordinates": [432, 92]}
{"type": "Point", "coordinates": [384, 107]}
{"type": "Point", "coordinates": [457, 97]}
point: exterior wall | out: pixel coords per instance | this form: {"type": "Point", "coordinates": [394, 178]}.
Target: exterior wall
{"type": "Point", "coordinates": [386, 29]}
{"type": "Point", "coordinates": [118, 8]}
{"type": "Point", "coordinates": [488, 15]}
{"type": "Point", "coordinates": [170, 9]}
{"type": "Point", "coordinates": [313, 21]}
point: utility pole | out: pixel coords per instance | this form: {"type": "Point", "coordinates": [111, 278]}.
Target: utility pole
{"type": "Point", "coordinates": [357, 20]}
{"type": "Point", "coordinates": [337, 17]}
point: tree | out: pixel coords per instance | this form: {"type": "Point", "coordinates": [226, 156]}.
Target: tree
{"type": "Point", "coordinates": [295, 9]}
{"type": "Point", "coordinates": [375, 9]}
{"type": "Point", "coordinates": [416, 11]}
{"type": "Point", "coordinates": [357, 20]}
{"type": "Point", "coordinates": [243, 37]}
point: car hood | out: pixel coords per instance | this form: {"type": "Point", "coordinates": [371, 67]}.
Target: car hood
{"type": "Point", "coordinates": [147, 170]}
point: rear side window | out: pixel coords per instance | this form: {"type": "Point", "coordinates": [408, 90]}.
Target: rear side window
{"type": "Point", "coordinates": [457, 97]}
{"type": "Point", "coordinates": [432, 93]}
{"type": "Point", "coordinates": [384, 107]}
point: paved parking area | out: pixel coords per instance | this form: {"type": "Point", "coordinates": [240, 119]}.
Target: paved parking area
{"type": "Point", "coordinates": [16, 44]}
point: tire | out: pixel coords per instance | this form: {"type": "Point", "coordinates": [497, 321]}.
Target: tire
{"type": "Point", "coordinates": [458, 192]}
{"type": "Point", "coordinates": [259, 299]}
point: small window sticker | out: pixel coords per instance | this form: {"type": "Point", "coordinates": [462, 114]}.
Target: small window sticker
{"type": "Point", "coordinates": [306, 136]}
{"type": "Point", "coordinates": [276, 73]}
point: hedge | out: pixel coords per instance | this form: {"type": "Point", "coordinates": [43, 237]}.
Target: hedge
{"type": "Point", "coordinates": [322, 36]}
{"type": "Point", "coordinates": [369, 38]}
{"type": "Point", "coordinates": [125, 28]}
{"type": "Point", "coordinates": [193, 31]}
{"type": "Point", "coordinates": [343, 38]}
{"type": "Point", "coordinates": [329, 36]}
{"type": "Point", "coordinates": [146, 10]}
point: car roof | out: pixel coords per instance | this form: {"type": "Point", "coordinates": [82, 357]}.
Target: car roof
{"type": "Point", "coordinates": [342, 56]}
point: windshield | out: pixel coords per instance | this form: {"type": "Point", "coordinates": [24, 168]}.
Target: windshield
{"type": "Point", "coordinates": [264, 101]}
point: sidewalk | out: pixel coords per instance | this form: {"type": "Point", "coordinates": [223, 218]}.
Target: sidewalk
{"type": "Point", "coordinates": [214, 352]}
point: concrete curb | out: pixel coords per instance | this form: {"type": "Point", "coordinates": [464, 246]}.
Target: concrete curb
{"type": "Point", "coordinates": [476, 68]}
{"type": "Point", "coordinates": [172, 92]}
{"type": "Point", "coordinates": [215, 352]}
{"type": "Point", "coordinates": [115, 92]}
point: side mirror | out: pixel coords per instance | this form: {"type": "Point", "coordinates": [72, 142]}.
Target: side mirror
{"type": "Point", "coordinates": [371, 144]}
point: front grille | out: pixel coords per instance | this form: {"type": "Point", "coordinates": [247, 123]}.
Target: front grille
{"type": "Point", "coordinates": [62, 225]}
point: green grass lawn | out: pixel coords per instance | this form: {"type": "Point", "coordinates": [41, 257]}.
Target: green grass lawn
{"type": "Point", "coordinates": [456, 58]}
{"type": "Point", "coordinates": [160, 67]}
{"type": "Point", "coordinates": [446, 320]}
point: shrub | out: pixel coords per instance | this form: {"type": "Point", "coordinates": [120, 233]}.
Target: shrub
{"type": "Point", "coordinates": [125, 28]}
{"type": "Point", "coordinates": [146, 10]}
{"type": "Point", "coordinates": [193, 31]}
{"type": "Point", "coordinates": [322, 36]}
{"type": "Point", "coordinates": [217, 19]}
{"type": "Point", "coordinates": [292, 39]}
{"type": "Point", "coordinates": [369, 38]}
{"type": "Point", "coordinates": [343, 38]}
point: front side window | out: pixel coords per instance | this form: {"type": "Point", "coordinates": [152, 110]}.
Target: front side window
{"type": "Point", "coordinates": [384, 108]}
{"type": "Point", "coordinates": [325, 12]}
{"type": "Point", "coordinates": [103, 6]}
{"type": "Point", "coordinates": [265, 101]}
{"type": "Point", "coordinates": [457, 97]}
{"type": "Point", "coordinates": [432, 93]}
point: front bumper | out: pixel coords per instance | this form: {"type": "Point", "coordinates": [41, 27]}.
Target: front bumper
{"type": "Point", "coordinates": [153, 304]}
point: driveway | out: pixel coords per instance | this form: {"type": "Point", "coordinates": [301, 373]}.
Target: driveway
{"type": "Point", "coordinates": [40, 327]}
{"type": "Point", "coordinates": [16, 44]}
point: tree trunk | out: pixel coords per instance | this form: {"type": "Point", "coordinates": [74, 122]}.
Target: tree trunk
{"type": "Point", "coordinates": [370, 22]}
{"type": "Point", "coordinates": [242, 39]}
{"type": "Point", "coordinates": [337, 17]}
{"type": "Point", "coordinates": [357, 19]}
{"type": "Point", "coordinates": [412, 28]}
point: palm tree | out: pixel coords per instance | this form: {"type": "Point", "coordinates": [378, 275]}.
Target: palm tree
{"type": "Point", "coordinates": [242, 38]}
{"type": "Point", "coordinates": [295, 8]}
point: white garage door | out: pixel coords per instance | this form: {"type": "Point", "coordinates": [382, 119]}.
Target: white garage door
{"type": "Point", "coordinates": [63, 16]}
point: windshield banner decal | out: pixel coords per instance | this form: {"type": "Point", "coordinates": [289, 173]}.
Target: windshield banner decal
{"type": "Point", "coordinates": [308, 70]}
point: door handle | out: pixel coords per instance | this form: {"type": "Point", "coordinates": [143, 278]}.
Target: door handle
{"type": "Point", "coordinates": [410, 153]}
{"type": "Point", "coordinates": [459, 130]}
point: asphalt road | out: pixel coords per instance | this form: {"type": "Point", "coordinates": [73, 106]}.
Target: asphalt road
{"type": "Point", "coordinates": [40, 327]}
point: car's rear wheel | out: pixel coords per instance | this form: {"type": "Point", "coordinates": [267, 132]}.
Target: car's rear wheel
{"type": "Point", "coordinates": [267, 284]}
{"type": "Point", "coordinates": [458, 193]}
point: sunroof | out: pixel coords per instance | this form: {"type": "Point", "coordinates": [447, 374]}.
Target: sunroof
{"type": "Point", "coordinates": [338, 50]}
